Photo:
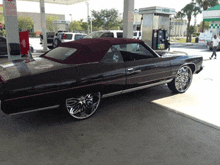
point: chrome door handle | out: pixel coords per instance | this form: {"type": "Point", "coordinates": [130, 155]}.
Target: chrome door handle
{"type": "Point", "coordinates": [130, 69]}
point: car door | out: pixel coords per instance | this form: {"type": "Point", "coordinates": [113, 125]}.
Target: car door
{"type": "Point", "coordinates": [107, 76]}
{"type": "Point", "coordinates": [144, 66]}
{"type": "Point", "coordinates": [3, 46]}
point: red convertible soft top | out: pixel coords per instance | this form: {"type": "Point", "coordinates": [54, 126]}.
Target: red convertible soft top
{"type": "Point", "coordinates": [92, 50]}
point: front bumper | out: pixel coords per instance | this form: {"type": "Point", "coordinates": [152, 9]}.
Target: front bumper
{"type": "Point", "coordinates": [201, 68]}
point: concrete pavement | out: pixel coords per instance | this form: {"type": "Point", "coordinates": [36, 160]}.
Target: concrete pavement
{"type": "Point", "coordinates": [151, 126]}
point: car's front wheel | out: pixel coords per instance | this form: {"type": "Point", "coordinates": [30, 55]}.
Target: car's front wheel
{"type": "Point", "coordinates": [84, 106]}
{"type": "Point", "coordinates": [182, 81]}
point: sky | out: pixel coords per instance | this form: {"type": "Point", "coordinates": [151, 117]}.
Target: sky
{"type": "Point", "coordinates": [79, 11]}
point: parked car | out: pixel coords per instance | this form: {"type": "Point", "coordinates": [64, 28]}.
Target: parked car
{"type": "Point", "coordinates": [77, 74]}
{"type": "Point", "coordinates": [15, 48]}
{"type": "Point", "coordinates": [106, 33]}
{"type": "Point", "coordinates": [50, 36]}
{"type": "Point", "coordinates": [137, 35]}
{"type": "Point", "coordinates": [67, 37]}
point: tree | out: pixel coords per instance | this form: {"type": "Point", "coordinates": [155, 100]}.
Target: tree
{"type": "Point", "coordinates": [84, 26]}
{"type": "Point", "coordinates": [188, 11]}
{"type": "Point", "coordinates": [106, 19]}
{"type": "Point", "coordinates": [180, 15]}
{"type": "Point", "coordinates": [191, 31]}
{"type": "Point", "coordinates": [206, 26]}
{"type": "Point", "coordinates": [49, 22]}
{"type": "Point", "coordinates": [76, 26]}
{"type": "Point", "coordinates": [196, 11]}
{"type": "Point", "coordinates": [205, 4]}
{"type": "Point", "coordinates": [25, 23]}
{"type": "Point", "coordinates": [1, 18]}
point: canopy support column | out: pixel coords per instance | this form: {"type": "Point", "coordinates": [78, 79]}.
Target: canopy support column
{"type": "Point", "coordinates": [11, 26]}
{"type": "Point", "coordinates": [128, 18]}
{"type": "Point", "coordinates": [43, 24]}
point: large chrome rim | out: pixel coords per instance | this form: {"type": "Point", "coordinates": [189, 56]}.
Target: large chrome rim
{"type": "Point", "coordinates": [183, 79]}
{"type": "Point", "coordinates": [84, 106]}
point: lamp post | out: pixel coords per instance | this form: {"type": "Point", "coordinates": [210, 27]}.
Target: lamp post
{"type": "Point", "coordinates": [91, 23]}
{"type": "Point", "coordinates": [71, 17]}
{"type": "Point", "coordinates": [87, 3]}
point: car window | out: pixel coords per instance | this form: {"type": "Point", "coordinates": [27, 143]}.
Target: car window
{"type": "Point", "coordinates": [108, 35]}
{"type": "Point", "coordinates": [94, 35]}
{"type": "Point", "coordinates": [60, 36]}
{"type": "Point", "coordinates": [134, 51]}
{"type": "Point", "coordinates": [119, 35]}
{"type": "Point", "coordinates": [78, 36]}
{"type": "Point", "coordinates": [112, 56]}
{"type": "Point", "coordinates": [68, 36]}
{"type": "Point", "coordinates": [60, 53]}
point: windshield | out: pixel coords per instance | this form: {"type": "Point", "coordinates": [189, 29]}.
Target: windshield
{"type": "Point", "coordinates": [94, 35]}
{"type": "Point", "coordinates": [60, 53]}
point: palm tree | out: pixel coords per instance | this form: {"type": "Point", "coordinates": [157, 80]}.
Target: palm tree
{"type": "Point", "coordinates": [189, 10]}
{"type": "Point", "coordinates": [196, 11]}
{"type": "Point", "coordinates": [205, 4]}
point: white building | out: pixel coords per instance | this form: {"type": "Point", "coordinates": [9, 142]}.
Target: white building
{"type": "Point", "coordinates": [178, 27]}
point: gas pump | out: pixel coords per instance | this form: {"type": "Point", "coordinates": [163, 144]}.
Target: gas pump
{"type": "Point", "coordinates": [155, 26]}
{"type": "Point", "coordinates": [159, 39]}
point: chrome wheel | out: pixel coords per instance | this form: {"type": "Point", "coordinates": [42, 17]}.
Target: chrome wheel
{"type": "Point", "coordinates": [84, 106]}
{"type": "Point", "coordinates": [182, 81]}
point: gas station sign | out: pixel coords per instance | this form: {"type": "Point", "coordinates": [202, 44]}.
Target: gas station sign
{"type": "Point", "coordinates": [10, 8]}
{"type": "Point", "coordinates": [24, 42]}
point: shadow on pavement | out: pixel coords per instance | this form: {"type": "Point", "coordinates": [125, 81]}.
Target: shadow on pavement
{"type": "Point", "coordinates": [126, 129]}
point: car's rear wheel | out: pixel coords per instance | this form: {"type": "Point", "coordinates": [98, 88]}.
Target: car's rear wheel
{"type": "Point", "coordinates": [84, 106]}
{"type": "Point", "coordinates": [182, 81]}
{"type": "Point", "coordinates": [50, 47]}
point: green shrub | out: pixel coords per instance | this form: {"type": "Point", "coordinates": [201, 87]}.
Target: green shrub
{"type": "Point", "coordinates": [196, 34]}
{"type": "Point", "coordinates": [32, 34]}
{"type": "Point", "coordinates": [2, 32]}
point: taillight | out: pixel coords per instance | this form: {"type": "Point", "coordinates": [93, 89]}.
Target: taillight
{"type": "Point", "coordinates": [64, 36]}
{"type": "Point", "coordinates": [1, 80]}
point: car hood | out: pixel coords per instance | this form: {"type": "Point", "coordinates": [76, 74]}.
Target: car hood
{"type": "Point", "coordinates": [25, 67]}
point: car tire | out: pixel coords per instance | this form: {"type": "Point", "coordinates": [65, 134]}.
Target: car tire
{"type": "Point", "coordinates": [50, 47]}
{"type": "Point", "coordinates": [182, 81]}
{"type": "Point", "coordinates": [84, 106]}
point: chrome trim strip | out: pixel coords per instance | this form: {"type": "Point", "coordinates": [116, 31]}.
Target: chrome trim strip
{"type": "Point", "coordinates": [39, 109]}
{"type": "Point", "coordinates": [111, 94]}
{"type": "Point", "coordinates": [146, 86]}
{"type": "Point", "coordinates": [137, 88]}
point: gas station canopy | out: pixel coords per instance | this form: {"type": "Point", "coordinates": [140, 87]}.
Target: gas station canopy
{"type": "Point", "coordinates": [61, 2]}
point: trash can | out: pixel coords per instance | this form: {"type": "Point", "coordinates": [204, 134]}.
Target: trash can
{"type": "Point", "coordinates": [197, 40]}
{"type": "Point", "coordinates": [15, 49]}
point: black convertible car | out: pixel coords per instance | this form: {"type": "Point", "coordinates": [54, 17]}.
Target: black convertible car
{"type": "Point", "coordinates": [76, 75]}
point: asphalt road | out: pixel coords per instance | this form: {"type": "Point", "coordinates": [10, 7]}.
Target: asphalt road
{"type": "Point", "coordinates": [151, 126]}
